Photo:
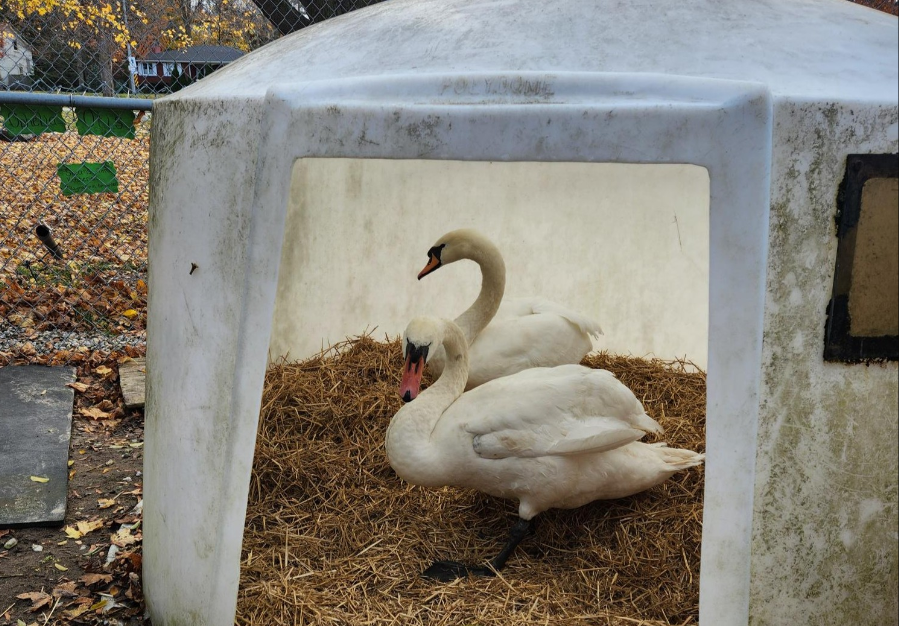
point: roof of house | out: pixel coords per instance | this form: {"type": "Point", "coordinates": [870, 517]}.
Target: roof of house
{"type": "Point", "coordinates": [7, 27]}
{"type": "Point", "coordinates": [197, 54]}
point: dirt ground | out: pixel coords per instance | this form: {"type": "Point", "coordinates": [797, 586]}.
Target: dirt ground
{"type": "Point", "coordinates": [86, 571]}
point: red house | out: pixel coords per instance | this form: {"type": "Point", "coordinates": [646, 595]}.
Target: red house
{"type": "Point", "coordinates": [160, 68]}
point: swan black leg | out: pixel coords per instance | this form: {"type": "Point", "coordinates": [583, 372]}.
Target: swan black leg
{"type": "Point", "coordinates": [446, 571]}
{"type": "Point", "coordinates": [519, 531]}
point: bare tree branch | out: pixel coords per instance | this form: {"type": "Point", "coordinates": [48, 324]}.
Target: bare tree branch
{"type": "Point", "coordinates": [289, 16]}
{"type": "Point", "coordinates": [283, 15]}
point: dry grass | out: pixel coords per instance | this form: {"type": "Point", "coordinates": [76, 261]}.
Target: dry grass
{"type": "Point", "coordinates": [334, 537]}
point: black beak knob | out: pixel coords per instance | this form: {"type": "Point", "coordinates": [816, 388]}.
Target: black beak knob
{"type": "Point", "coordinates": [407, 397]}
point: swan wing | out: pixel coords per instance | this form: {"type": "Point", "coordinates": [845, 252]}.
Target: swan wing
{"type": "Point", "coordinates": [513, 344]}
{"type": "Point", "coordinates": [521, 307]}
{"type": "Point", "coordinates": [508, 346]}
{"type": "Point", "coordinates": [597, 435]}
{"type": "Point", "coordinates": [563, 410]}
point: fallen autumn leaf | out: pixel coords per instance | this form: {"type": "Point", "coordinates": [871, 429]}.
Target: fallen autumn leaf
{"type": "Point", "coordinates": [38, 599]}
{"type": "Point", "coordinates": [84, 527]}
{"type": "Point", "coordinates": [94, 413]}
{"type": "Point", "coordinates": [72, 533]}
{"type": "Point", "coordinates": [93, 579]}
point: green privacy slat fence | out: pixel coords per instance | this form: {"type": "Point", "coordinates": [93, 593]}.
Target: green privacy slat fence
{"type": "Point", "coordinates": [74, 159]}
{"type": "Point", "coordinates": [105, 122]}
{"type": "Point", "coordinates": [87, 178]}
{"type": "Point", "coordinates": [20, 119]}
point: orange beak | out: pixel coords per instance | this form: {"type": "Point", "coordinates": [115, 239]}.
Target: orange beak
{"type": "Point", "coordinates": [433, 264]}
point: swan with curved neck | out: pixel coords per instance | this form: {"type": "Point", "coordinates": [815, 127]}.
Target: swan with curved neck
{"type": "Point", "coordinates": [513, 334]}
{"type": "Point", "coordinates": [549, 437]}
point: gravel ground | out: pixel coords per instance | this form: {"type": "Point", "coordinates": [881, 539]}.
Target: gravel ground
{"type": "Point", "coordinates": [15, 339]}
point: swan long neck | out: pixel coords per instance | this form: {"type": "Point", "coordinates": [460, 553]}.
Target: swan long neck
{"type": "Point", "coordinates": [452, 381]}
{"type": "Point", "coordinates": [493, 285]}
{"type": "Point", "coordinates": [412, 453]}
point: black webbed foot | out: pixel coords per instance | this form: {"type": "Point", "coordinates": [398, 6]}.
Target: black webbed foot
{"type": "Point", "coordinates": [448, 571]}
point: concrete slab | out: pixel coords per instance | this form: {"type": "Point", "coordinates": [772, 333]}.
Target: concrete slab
{"type": "Point", "coordinates": [35, 428]}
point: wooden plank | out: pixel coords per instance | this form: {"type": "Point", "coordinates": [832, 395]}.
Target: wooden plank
{"type": "Point", "coordinates": [132, 379]}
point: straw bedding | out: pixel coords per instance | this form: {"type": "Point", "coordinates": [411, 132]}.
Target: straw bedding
{"type": "Point", "coordinates": [334, 537]}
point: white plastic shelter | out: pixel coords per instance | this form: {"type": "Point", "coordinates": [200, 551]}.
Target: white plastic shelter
{"type": "Point", "coordinates": [671, 169]}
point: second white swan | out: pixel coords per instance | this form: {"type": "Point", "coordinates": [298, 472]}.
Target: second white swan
{"type": "Point", "coordinates": [507, 336]}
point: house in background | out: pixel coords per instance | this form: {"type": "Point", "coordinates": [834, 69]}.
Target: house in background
{"type": "Point", "coordinates": [159, 69]}
{"type": "Point", "coordinates": [16, 62]}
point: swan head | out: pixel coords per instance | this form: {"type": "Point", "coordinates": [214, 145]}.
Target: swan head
{"type": "Point", "coordinates": [422, 336]}
{"type": "Point", "coordinates": [465, 243]}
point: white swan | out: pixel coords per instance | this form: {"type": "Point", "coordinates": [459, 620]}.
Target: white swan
{"type": "Point", "coordinates": [549, 437]}
{"type": "Point", "coordinates": [507, 336]}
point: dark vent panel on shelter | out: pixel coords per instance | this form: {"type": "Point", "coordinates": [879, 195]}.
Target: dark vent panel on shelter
{"type": "Point", "coordinates": [863, 315]}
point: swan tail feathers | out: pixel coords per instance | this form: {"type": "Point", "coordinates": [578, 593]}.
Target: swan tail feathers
{"type": "Point", "coordinates": [678, 458]}
{"type": "Point", "coordinates": [644, 422]}
{"type": "Point", "coordinates": [587, 325]}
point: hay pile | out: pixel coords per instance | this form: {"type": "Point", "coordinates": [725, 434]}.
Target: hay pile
{"type": "Point", "coordinates": [334, 537]}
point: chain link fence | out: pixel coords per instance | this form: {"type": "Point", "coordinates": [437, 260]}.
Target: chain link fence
{"type": "Point", "coordinates": [77, 83]}
{"type": "Point", "coordinates": [73, 232]}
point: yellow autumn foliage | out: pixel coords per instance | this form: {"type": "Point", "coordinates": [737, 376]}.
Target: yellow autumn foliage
{"type": "Point", "coordinates": [235, 23]}
{"type": "Point", "coordinates": [98, 15]}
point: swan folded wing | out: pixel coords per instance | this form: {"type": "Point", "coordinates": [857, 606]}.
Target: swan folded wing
{"type": "Point", "coordinates": [572, 437]}
{"type": "Point", "coordinates": [519, 307]}
{"type": "Point", "coordinates": [512, 345]}
{"type": "Point", "coordinates": [564, 410]}
{"type": "Point", "coordinates": [542, 394]}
